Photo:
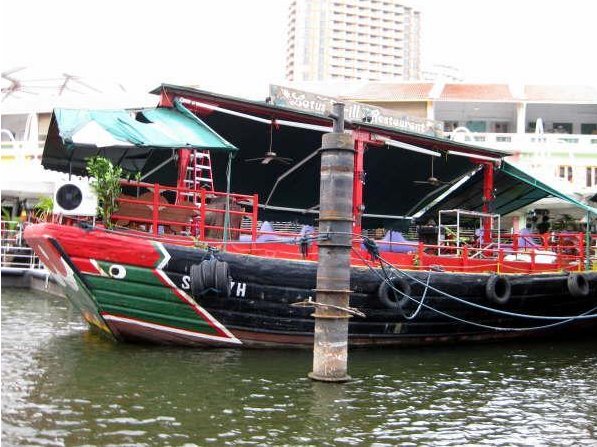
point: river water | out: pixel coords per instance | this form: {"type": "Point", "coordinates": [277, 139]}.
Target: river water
{"type": "Point", "coordinates": [63, 385]}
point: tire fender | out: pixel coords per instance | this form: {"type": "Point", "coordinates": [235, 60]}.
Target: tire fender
{"type": "Point", "coordinates": [498, 289]}
{"type": "Point", "coordinates": [578, 285]}
{"type": "Point", "coordinates": [210, 275]}
{"type": "Point", "coordinates": [391, 298]}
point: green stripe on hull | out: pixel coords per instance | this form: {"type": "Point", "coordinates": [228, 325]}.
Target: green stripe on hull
{"type": "Point", "coordinates": [150, 291]}
{"type": "Point", "coordinates": [134, 274]}
{"type": "Point", "coordinates": [159, 305]}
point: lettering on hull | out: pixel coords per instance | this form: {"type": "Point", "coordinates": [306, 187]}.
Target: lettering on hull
{"type": "Point", "coordinates": [238, 289]}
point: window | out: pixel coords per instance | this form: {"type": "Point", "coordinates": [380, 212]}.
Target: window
{"type": "Point", "coordinates": [591, 176]}
{"type": "Point", "coordinates": [562, 127]}
{"type": "Point", "coordinates": [500, 127]}
{"type": "Point", "coordinates": [588, 129]}
{"type": "Point", "coordinates": [477, 126]}
{"type": "Point", "coordinates": [565, 172]}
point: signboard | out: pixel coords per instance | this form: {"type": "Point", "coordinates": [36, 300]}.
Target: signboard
{"type": "Point", "coordinates": [353, 111]}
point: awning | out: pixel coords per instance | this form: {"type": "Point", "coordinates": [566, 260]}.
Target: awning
{"type": "Point", "coordinates": [395, 177]}
{"type": "Point", "coordinates": [513, 189]}
{"type": "Point", "coordinates": [136, 140]}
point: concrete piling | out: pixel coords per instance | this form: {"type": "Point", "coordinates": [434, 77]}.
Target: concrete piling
{"type": "Point", "coordinates": [330, 346]}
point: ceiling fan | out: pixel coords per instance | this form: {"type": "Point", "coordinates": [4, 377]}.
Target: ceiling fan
{"type": "Point", "coordinates": [432, 179]}
{"type": "Point", "coordinates": [270, 155]}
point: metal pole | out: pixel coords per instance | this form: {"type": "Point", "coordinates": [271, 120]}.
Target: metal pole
{"type": "Point", "coordinates": [330, 344]}
{"type": "Point", "coordinates": [588, 242]}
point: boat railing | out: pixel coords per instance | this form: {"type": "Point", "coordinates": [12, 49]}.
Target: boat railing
{"type": "Point", "coordinates": [169, 210]}
{"type": "Point", "coordinates": [14, 251]}
{"type": "Point", "coordinates": [549, 252]}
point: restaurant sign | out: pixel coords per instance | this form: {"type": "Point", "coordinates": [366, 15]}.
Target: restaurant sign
{"type": "Point", "coordinates": [353, 111]}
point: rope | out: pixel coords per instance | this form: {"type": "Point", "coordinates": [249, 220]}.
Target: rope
{"type": "Point", "coordinates": [310, 303]}
{"type": "Point", "coordinates": [564, 320]}
{"type": "Point", "coordinates": [480, 306]}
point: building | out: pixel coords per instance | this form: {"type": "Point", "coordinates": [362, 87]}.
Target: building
{"type": "Point", "coordinates": [28, 97]}
{"type": "Point", "coordinates": [352, 40]}
{"type": "Point", "coordinates": [551, 128]}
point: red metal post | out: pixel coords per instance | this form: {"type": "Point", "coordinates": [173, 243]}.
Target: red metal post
{"type": "Point", "coordinates": [184, 157]}
{"type": "Point", "coordinates": [255, 217]}
{"type": "Point", "coordinates": [202, 216]}
{"type": "Point", "coordinates": [487, 199]}
{"type": "Point", "coordinates": [156, 207]}
{"type": "Point", "coordinates": [360, 140]}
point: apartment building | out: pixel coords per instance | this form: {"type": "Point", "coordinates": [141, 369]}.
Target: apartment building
{"type": "Point", "coordinates": [352, 40]}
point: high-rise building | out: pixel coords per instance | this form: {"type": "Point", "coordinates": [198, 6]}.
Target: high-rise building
{"type": "Point", "coordinates": [368, 40]}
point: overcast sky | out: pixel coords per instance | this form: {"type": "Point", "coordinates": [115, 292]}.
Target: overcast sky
{"type": "Point", "coordinates": [238, 46]}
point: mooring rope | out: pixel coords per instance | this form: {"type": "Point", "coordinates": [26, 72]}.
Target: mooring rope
{"type": "Point", "coordinates": [481, 325]}
{"type": "Point", "coordinates": [562, 319]}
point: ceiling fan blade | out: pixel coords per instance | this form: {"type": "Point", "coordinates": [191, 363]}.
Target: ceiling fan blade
{"type": "Point", "coordinates": [254, 159]}
{"type": "Point", "coordinates": [266, 160]}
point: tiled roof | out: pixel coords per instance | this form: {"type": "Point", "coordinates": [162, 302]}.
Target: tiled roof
{"type": "Point", "coordinates": [476, 92]}
{"type": "Point", "coordinates": [384, 91]}
{"type": "Point", "coordinates": [560, 93]}
{"type": "Point", "coordinates": [393, 91]}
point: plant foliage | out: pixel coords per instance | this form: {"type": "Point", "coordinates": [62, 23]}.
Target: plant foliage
{"type": "Point", "coordinates": [106, 184]}
{"type": "Point", "coordinates": [44, 208]}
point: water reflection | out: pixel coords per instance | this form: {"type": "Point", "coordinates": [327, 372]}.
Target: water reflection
{"type": "Point", "coordinates": [62, 385]}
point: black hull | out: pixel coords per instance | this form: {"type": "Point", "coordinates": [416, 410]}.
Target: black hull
{"type": "Point", "coordinates": [261, 307]}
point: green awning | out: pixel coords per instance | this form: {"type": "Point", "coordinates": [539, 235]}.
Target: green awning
{"type": "Point", "coordinates": [127, 138]}
{"type": "Point", "coordinates": [513, 189]}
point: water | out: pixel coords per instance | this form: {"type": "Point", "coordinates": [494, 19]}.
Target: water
{"type": "Point", "coordinates": [62, 385]}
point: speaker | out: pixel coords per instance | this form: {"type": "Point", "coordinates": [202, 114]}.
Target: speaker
{"type": "Point", "coordinates": [74, 197]}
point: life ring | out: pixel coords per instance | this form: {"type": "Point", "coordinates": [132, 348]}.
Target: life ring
{"type": "Point", "coordinates": [578, 285]}
{"type": "Point", "coordinates": [498, 289]}
{"type": "Point", "coordinates": [210, 275]}
{"type": "Point", "coordinates": [392, 299]}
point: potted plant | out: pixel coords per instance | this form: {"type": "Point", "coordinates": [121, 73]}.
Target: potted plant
{"type": "Point", "coordinates": [44, 208]}
{"type": "Point", "coordinates": [106, 184]}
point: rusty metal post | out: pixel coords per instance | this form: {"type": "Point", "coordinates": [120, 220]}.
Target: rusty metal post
{"type": "Point", "coordinates": [330, 344]}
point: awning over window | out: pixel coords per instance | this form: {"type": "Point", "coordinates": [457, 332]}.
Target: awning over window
{"type": "Point", "coordinates": [126, 138]}
{"type": "Point", "coordinates": [513, 189]}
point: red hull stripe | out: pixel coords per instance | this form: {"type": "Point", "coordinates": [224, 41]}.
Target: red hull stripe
{"type": "Point", "coordinates": [173, 330]}
{"type": "Point", "coordinates": [87, 266]}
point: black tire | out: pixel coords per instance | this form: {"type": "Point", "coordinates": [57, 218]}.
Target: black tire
{"type": "Point", "coordinates": [210, 275]}
{"type": "Point", "coordinates": [392, 299]}
{"type": "Point", "coordinates": [498, 289]}
{"type": "Point", "coordinates": [197, 284]}
{"type": "Point", "coordinates": [222, 278]}
{"type": "Point", "coordinates": [578, 285]}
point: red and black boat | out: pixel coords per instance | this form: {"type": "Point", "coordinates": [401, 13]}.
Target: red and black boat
{"type": "Point", "coordinates": [182, 262]}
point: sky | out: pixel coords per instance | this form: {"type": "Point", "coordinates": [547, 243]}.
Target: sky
{"type": "Point", "coordinates": [238, 46]}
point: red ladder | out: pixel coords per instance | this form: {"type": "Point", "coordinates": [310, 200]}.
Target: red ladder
{"type": "Point", "coordinates": [198, 174]}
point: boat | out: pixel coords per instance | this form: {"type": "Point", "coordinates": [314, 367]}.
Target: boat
{"type": "Point", "coordinates": [185, 261]}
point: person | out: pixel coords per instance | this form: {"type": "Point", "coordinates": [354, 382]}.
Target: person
{"type": "Point", "coordinates": [544, 225]}
{"type": "Point", "coordinates": [526, 241]}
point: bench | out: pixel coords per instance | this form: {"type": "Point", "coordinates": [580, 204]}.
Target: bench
{"type": "Point", "coordinates": [143, 212]}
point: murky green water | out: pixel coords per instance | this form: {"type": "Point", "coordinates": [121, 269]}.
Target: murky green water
{"type": "Point", "coordinates": [62, 385]}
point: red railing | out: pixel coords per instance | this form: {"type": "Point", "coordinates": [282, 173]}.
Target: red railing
{"type": "Point", "coordinates": [171, 212]}
{"type": "Point", "coordinates": [566, 251]}
{"type": "Point", "coordinates": [197, 213]}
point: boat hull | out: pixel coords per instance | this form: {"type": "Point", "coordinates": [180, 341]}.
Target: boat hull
{"type": "Point", "coordinates": [141, 290]}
